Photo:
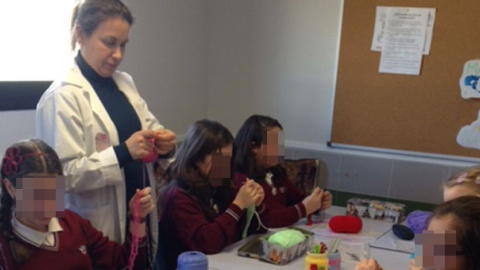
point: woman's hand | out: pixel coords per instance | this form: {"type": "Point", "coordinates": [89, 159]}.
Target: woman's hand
{"type": "Point", "coordinates": [164, 141]}
{"type": "Point", "coordinates": [326, 200]}
{"type": "Point", "coordinates": [248, 194]}
{"type": "Point", "coordinates": [146, 202]}
{"type": "Point", "coordinates": [313, 202]}
{"type": "Point", "coordinates": [139, 144]}
{"type": "Point", "coordinates": [368, 264]}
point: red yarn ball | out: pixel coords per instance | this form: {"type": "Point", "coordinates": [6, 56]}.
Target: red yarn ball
{"type": "Point", "coordinates": [345, 224]}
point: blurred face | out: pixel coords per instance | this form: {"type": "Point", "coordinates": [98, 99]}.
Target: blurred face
{"type": "Point", "coordinates": [104, 49]}
{"type": "Point", "coordinates": [450, 193]}
{"type": "Point", "coordinates": [271, 152]}
{"type": "Point", "coordinates": [439, 248]}
{"type": "Point", "coordinates": [38, 198]}
{"type": "Point", "coordinates": [216, 166]}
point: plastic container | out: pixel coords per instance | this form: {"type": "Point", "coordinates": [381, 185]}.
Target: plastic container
{"type": "Point", "coordinates": [316, 261]}
{"type": "Point", "coordinates": [334, 261]}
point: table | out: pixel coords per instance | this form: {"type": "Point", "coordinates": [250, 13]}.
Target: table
{"type": "Point", "coordinates": [389, 241]}
{"type": "Point", "coordinates": [373, 231]}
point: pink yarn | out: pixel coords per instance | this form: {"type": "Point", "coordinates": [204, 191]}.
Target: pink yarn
{"type": "Point", "coordinates": [136, 226]}
{"type": "Point", "coordinates": [136, 233]}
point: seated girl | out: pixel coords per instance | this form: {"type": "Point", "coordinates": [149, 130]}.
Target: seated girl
{"type": "Point", "coordinates": [36, 231]}
{"type": "Point", "coordinates": [453, 230]}
{"type": "Point", "coordinates": [258, 156]}
{"type": "Point", "coordinates": [463, 183]}
{"type": "Point", "coordinates": [199, 209]}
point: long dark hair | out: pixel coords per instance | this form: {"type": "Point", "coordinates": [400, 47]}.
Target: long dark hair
{"type": "Point", "coordinates": [466, 211]}
{"type": "Point", "coordinates": [203, 138]}
{"type": "Point", "coordinates": [88, 14]}
{"type": "Point", "coordinates": [251, 135]}
{"type": "Point", "coordinates": [21, 159]}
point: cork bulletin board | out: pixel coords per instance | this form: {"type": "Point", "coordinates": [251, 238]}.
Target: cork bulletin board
{"type": "Point", "coordinates": [403, 112]}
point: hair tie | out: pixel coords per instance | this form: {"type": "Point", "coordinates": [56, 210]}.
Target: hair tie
{"type": "Point", "coordinates": [11, 161]}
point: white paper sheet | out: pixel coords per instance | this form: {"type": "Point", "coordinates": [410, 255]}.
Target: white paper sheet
{"type": "Point", "coordinates": [403, 41]}
{"type": "Point", "coordinates": [380, 23]}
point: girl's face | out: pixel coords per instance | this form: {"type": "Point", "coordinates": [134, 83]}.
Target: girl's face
{"type": "Point", "coordinates": [38, 198]}
{"type": "Point", "coordinates": [104, 49]}
{"type": "Point", "coordinates": [271, 152]}
{"type": "Point", "coordinates": [440, 245]}
{"type": "Point", "coordinates": [216, 166]}
{"type": "Point", "coordinates": [450, 193]}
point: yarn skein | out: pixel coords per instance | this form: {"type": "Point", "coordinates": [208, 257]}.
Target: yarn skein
{"type": "Point", "coordinates": [192, 260]}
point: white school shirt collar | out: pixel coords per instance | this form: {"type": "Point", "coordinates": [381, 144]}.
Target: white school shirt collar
{"type": "Point", "coordinates": [35, 237]}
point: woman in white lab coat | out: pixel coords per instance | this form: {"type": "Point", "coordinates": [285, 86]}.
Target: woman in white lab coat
{"type": "Point", "coordinates": [99, 125]}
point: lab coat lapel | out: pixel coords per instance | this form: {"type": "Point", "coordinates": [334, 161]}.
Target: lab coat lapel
{"type": "Point", "coordinates": [101, 115]}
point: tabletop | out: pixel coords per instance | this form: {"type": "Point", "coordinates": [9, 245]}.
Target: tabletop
{"type": "Point", "coordinates": [376, 240]}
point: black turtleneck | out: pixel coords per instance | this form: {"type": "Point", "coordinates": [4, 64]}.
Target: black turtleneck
{"type": "Point", "coordinates": [124, 118]}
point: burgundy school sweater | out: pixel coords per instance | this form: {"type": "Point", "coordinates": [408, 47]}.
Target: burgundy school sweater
{"type": "Point", "coordinates": [81, 246]}
{"type": "Point", "coordinates": [283, 207]}
{"type": "Point", "coordinates": [185, 227]}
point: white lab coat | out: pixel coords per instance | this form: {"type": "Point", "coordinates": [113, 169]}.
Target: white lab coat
{"type": "Point", "coordinates": [71, 118]}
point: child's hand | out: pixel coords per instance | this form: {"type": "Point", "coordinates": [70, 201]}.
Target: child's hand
{"type": "Point", "coordinates": [313, 202]}
{"type": "Point", "coordinates": [413, 267]}
{"type": "Point", "coordinates": [368, 264]}
{"type": "Point", "coordinates": [146, 202]}
{"type": "Point", "coordinates": [164, 141]}
{"type": "Point", "coordinates": [326, 200]}
{"type": "Point", "coordinates": [260, 194]}
{"type": "Point", "coordinates": [247, 195]}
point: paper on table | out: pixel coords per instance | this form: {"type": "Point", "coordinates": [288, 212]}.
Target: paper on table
{"type": "Point", "coordinates": [380, 24]}
{"type": "Point", "coordinates": [403, 245]}
{"type": "Point", "coordinates": [404, 41]}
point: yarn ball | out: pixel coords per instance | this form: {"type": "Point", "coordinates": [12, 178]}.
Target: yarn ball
{"type": "Point", "coordinates": [286, 238]}
{"type": "Point", "coordinates": [418, 220]}
{"type": "Point", "coordinates": [192, 260]}
{"type": "Point", "coordinates": [345, 224]}
{"type": "Point", "coordinates": [403, 232]}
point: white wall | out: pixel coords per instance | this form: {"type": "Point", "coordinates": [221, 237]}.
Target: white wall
{"type": "Point", "coordinates": [167, 56]}
{"type": "Point", "coordinates": [275, 57]}
{"type": "Point", "coordinates": [15, 126]}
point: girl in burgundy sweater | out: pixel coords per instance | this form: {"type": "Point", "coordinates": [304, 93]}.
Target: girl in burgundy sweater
{"type": "Point", "coordinates": [199, 208]}
{"type": "Point", "coordinates": [258, 154]}
{"type": "Point", "coordinates": [36, 231]}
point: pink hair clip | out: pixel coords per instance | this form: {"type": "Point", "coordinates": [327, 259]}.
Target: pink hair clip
{"type": "Point", "coordinates": [461, 179]}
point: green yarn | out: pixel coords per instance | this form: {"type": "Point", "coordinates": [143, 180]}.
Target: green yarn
{"type": "Point", "coordinates": [286, 238]}
{"type": "Point", "coordinates": [250, 212]}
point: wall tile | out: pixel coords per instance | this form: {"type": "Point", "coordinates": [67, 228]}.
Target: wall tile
{"type": "Point", "coordinates": [420, 182]}
{"type": "Point", "coordinates": [365, 175]}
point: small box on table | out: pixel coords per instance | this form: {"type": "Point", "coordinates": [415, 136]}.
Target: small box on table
{"type": "Point", "coordinates": [280, 255]}
{"type": "Point", "coordinates": [374, 209]}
